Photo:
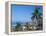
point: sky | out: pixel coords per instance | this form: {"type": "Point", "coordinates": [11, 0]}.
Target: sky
{"type": "Point", "coordinates": [23, 13]}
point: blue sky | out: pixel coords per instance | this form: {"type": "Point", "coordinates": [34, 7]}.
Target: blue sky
{"type": "Point", "coordinates": [23, 13]}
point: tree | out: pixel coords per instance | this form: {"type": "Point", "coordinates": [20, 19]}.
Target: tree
{"type": "Point", "coordinates": [37, 15]}
{"type": "Point", "coordinates": [18, 26]}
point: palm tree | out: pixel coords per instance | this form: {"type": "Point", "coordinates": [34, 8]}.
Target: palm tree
{"type": "Point", "coordinates": [37, 15]}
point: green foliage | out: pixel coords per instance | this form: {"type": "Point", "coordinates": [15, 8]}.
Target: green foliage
{"type": "Point", "coordinates": [18, 26]}
{"type": "Point", "coordinates": [36, 14]}
{"type": "Point", "coordinates": [38, 17]}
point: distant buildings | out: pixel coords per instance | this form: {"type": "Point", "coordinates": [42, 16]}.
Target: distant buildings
{"type": "Point", "coordinates": [24, 27]}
